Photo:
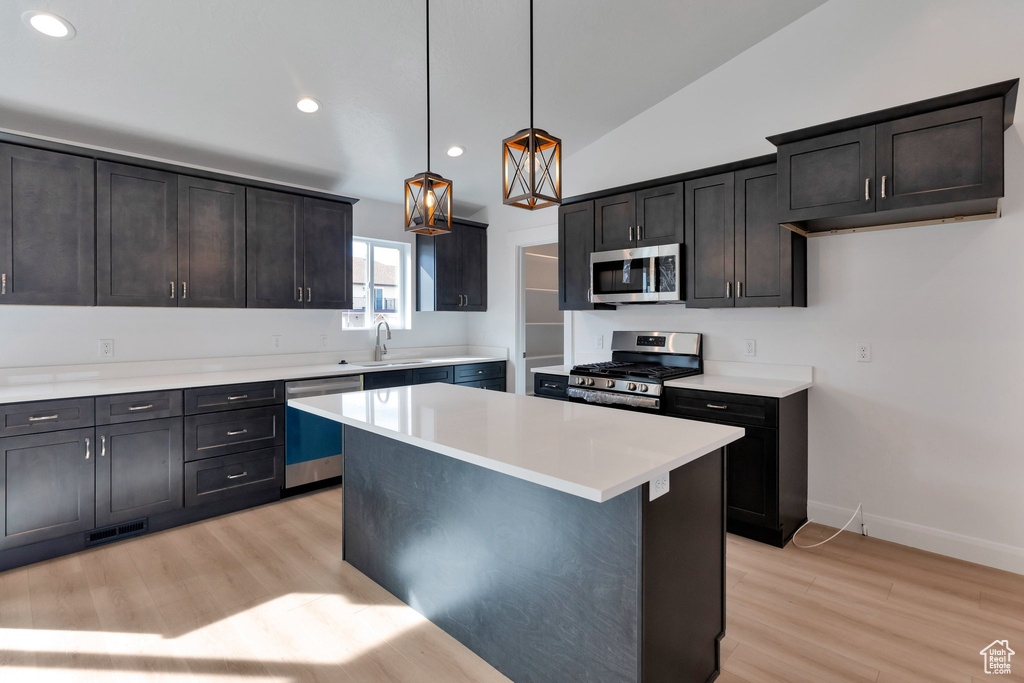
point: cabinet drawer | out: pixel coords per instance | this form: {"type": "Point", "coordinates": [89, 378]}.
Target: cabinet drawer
{"type": "Point", "coordinates": [135, 407]}
{"type": "Point", "coordinates": [469, 373]}
{"type": "Point", "coordinates": [739, 409]}
{"type": "Point", "coordinates": [230, 397]}
{"type": "Point", "coordinates": [493, 384]}
{"type": "Point", "coordinates": [550, 385]}
{"type": "Point", "coordinates": [444, 373]}
{"type": "Point", "coordinates": [215, 479]}
{"type": "Point", "coordinates": [46, 416]}
{"type": "Point", "coordinates": [208, 436]}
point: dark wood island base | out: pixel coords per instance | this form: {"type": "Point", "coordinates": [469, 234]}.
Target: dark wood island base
{"type": "Point", "coordinates": [543, 585]}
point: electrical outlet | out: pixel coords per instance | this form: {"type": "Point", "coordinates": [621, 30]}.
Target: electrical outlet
{"type": "Point", "coordinates": [659, 486]}
{"type": "Point", "coordinates": [864, 352]}
{"type": "Point", "coordinates": [275, 341]}
{"type": "Point", "coordinates": [599, 341]}
{"type": "Point", "coordinates": [751, 347]}
{"type": "Point", "coordinates": [323, 341]}
{"type": "Point", "coordinates": [106, 348]}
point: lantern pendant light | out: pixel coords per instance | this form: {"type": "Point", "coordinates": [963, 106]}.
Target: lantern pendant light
{"type": "Point", "coordinates": [532, 161]}
{"type": "Point", "coordinates": [428, 196]}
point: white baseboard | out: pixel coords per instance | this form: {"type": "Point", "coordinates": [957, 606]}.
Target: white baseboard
{"type": "Point", "coordinates": [977, 550]}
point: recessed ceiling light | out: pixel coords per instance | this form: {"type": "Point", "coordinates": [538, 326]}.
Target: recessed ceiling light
{"type": "Point", "coordinates": [308, 105]}
{"type": "Point", "coordinates": [49, 24]}
{"type": "Point", "coordinates": [456, 151]}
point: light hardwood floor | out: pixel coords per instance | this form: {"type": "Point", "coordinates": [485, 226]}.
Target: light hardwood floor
{"type": "Point", "coordinates": [263, 595]}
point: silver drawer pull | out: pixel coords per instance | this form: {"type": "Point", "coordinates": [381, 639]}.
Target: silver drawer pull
{"type": "Point", "coordinates": [718, 406]}
{"type": "Point", "coordinates": [237, 476]}
{"type": "Point", "coordinates": [43, 418]}
{"type": "Point", "coordinates": [238, 398]}
{"type": "Point", "coordinates": [240, 431]}
{"type": "Point", "coordinates": [88, 452]}
{"type": "Point", "coordinates": [145, 407]}
{"type": "Point", "coordinates": [103, 446]}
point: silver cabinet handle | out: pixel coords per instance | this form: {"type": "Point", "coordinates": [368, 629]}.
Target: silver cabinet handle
{"type": "Point", "coordinates": [184, 290]}
{"type": "Point", "coordinates": [718, 406]}
{"type": "Point", "coordinates": [639, 232]}
{"type": "Point", "coordinates": [728, 290]}
{"type": "Point", "coordinates": [3, 283]}
{"type": "Point", "coordinates": [590, 295]}
{"type": "Point", "coordinates": [739, 289]}
{"type": "Point", "coordinates": [103, 446]}
{"type": "Point", "coordinates": [237, 476]}
{"type": "Point", "coordinates": [87, 451]}
{"type": "Point", "coordinates": [631, 233]}
{"type": "Point", "coordinates": [300, 294]}
{"type": "Point", "coordinates": [145, 407]}
{"type": "Point", "coordinates": [172, 289]}
{"type": "Point", "coordinates": [309, 294]}
{"type": "Point", "coordinates": [238, 398]}
{"type": "Point", "coordinates": [883, 187]}
{"type": "Point", "coordinates": [867, 189]}
{"type": "Point", "coordinates": [240, 431]}
{"type": "Point", "coordinates": [42, 418]}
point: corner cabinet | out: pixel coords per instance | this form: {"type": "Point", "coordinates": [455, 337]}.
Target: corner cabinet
{"type": "Point", "coordinates": [926, 162]}
{"type": "Point", "coordinates": [47, 235]}
{"type": "Point", "coordinates": [451, 269]}
{"type": "Point", "coordinates": [299, 251]}
{"type": "Point", "coordinates": [737, 254]}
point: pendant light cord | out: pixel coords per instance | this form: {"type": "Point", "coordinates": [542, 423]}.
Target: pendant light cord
{"type": "Point", "coordinates": [428, 85]}
{"type": "Point", "coordinates": [531, 64]}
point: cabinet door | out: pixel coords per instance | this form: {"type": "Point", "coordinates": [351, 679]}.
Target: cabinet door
{"type": "Point", "coordinates": [447, 272]}
{"type": "Point", "coordinates": [273, 247]}
{"type": "Point", "coordinates": [473, 262]}
{"type": "Point", "coordinates": [945, 156]}
{"type": "Point", "coordinates": [709, 257]}
{"type": "Point", "coordinates": [47, 228]}
{"type": "Point", "coordinates": [829, 176]}
{"type": "Point", "coordinates": [752, 482]}
{"type": "Point", "coordinates": [139, 469]}
{"type": "Point", "coordinates": [46, 486]}
{"type": "Point", "coordinates": [659, 215]}
{"type": "Point", "coordinates": [211, 243]}
{"type": "Point", "coordinates": [764, 249]}
{"type": "Point", "coordinates": [615, 222]}
{"type": "Point", "coordinates": [575, 244]}
{"type": "Point", "coordinates": [327, 260]}
{"type": "Point", "coordinates": [136, 236]}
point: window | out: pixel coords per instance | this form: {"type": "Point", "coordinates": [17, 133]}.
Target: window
{"type": "Point", "coordinates": [380, 284]}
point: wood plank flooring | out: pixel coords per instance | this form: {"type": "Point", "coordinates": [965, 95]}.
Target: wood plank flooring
{"type": "Point", "coordinates": [263, 595]}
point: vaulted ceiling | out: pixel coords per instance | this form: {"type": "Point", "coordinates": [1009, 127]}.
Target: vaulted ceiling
{"type": "Point", "coordinates": [214, 82]}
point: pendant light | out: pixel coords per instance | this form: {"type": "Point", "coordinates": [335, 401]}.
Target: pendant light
{"type": "Point", "coordinates": [428, 196]}
{"type": "Point", "coordinates": [532, 161]}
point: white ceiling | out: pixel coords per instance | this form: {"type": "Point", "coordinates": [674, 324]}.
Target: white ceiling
{"type": "Point", "coordinates": [214, 82]}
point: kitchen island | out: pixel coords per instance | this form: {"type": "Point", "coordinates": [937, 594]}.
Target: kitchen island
{"type": "Point", "coordinates": [526, 528]}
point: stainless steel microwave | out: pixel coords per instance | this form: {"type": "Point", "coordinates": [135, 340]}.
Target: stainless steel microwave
{"type": "Point", "coordinates": [637, 276]}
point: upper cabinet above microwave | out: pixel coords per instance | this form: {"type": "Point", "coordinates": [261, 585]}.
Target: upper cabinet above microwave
{"type": "Point", "coordinates": [645, 218]}
{"type": "Point", "coordinates": [931, 161]}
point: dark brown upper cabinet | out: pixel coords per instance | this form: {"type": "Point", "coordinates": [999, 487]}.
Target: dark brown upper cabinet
{"type": "Point", "coordinates": [211, 243]}
{"type": "Point", "coordinates": [737, 254]}
{"type": "Point", "coordinates": [575, 244]}
{"type": "Point", "coordinates": [644, 218]}
{"type": "Point", "coordinates": [451, 269]}
{"type": "Point", "coordinates": [136, 236]}
{"type": "Point", "coordinates": [299, 251]}
{"type": "Point", "coordinates": [932, 161]}
{"type": "Point", "coordinates": [47, 228]}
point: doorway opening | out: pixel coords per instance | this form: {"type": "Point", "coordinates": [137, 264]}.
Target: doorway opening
{"type": "Point", "coordinates": [541, 323]}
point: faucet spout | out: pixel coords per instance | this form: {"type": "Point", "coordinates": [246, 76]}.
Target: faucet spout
{"type": "Point", "coordinates": [380, 349]}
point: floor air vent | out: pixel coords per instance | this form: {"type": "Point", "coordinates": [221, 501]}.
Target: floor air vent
{"type": "Point", "coordinates": [115, 533]}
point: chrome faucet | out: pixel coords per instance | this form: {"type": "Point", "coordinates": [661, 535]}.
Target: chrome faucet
{"type": "Point", "coordinates": [380, 349]}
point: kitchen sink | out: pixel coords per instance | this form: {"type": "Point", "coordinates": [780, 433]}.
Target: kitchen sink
{"type": "Point", "coordinates": [387, 363]}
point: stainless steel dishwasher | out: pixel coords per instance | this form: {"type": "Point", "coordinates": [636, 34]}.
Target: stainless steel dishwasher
{"type": "Point", "coordinates": [314, 446]}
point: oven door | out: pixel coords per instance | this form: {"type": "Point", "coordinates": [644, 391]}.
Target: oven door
{"type": "Point", "coordinates": [634, 276]}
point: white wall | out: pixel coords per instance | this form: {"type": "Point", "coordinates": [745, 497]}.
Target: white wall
{"type": "Point", "coordinates": [39, 335]}
{"type": "Point", "coordinates": [928, 436]}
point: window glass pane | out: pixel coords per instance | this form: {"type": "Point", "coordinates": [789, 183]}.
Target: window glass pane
{"type": "Point", "coordinates": [378, 284]}
{"type": "Point", "coordinates": [357, 316]}
{"type": "Point", "coordinates": [387, 285]}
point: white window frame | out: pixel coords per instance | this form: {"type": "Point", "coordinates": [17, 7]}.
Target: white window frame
{"type": "Point", "coordinates": [404, 287]}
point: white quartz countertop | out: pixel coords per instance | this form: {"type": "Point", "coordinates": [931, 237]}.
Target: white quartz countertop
{"type": "Point", "coordinates": [588, 451]}
{"type": "Point", "coordinates": [42, 391]}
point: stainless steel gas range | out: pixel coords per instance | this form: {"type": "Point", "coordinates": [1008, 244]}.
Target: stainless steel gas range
{"type": "Point", "coordinates": [641, 363]}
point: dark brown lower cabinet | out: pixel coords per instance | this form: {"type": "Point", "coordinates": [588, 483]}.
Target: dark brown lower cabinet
{"type": "Point", "coordinates": [229, 476]}
{"type": "Point", "coordinates": [46, 486]}
{"type": "Point", "coordinates": [139, 469]}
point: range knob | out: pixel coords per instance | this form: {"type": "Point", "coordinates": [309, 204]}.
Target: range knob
{"type": "Point", "coordinates": [631, 386]}
{"type": "Point", "coordinates": [610, 383]}
{"type": "Point", "coordinates": [643, 388]}
{"type": "Point", "coordinates": [590, 381]}
{"type": "Point", "coordinates": [580, 381]}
